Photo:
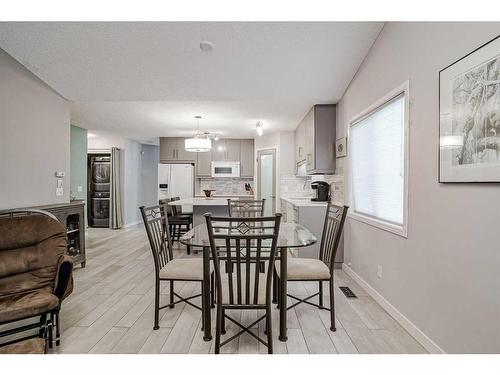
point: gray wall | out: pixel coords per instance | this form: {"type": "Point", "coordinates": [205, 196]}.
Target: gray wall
{"type": "Point", "coordinates": [445, 277]}
{"type": "Point", "coordinates": [149, 174]}
{"type": "Point", "coordinates": [78, 148]}
{"type": "Point", "coordinates": [34, 138]}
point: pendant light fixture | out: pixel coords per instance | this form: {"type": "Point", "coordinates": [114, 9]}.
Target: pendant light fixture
{"type": "Point", "coordinates": [200, 142]}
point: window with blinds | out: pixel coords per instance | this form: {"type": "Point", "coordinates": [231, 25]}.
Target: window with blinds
{"type": "Point", "coordinates": [378, 165]}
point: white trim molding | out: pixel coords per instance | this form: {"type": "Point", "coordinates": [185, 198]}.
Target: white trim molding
{"type": "Point", "coordinates": [406, 323]}
{"type": "Point", "coordinates": [128, 225]}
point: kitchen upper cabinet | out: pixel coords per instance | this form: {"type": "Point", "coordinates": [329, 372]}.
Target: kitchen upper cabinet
{"type": "Point", "coordinates": [300, 152]}
{"type": "Point", "coordinates": [168, 148]}
{"type": "Point", "coordinates": [315, 140]}
{"type": "Point", "coordinates": [309, 140]}
{"type": "Point", "coordinates": [226, 150]}
{"type": "Point", "coordinates": [204, 164]}
{"type": "Point", "coordinates": [233, 149]}
{"type": "Point", "coordinates": [219, 150]}
{"type": "Point", "coordinates": [182, 154]}
{"type": "Point", "coordinates": [172, 149]}
{"type": "Point", "coordinates": [242, 150]}
{"type": "Point", "coordinates": [247, 158]}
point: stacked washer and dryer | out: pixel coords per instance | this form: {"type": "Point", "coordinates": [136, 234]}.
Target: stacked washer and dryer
{"type": "Point", "coordinates": [99, 190]}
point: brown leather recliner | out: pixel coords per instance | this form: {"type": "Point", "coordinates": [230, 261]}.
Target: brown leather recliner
{"type": "Point", "coordinates": [35, 272]}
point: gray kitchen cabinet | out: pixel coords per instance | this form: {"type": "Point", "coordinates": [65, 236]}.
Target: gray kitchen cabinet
{"type": "Point", "coordinates": [182, 154]}
{"type": "Point", "coordinates": [204, 164]}
{"type": "Point", "coordinates": [315, 140]}
{"type": "Point", "coordinates": [219, 150]}
{"type": "Point", "coordinates": [312, 217]}
{"type": "Point", "coordinates": [168, 147]}
{"type": "Point", "coordinates": [300, 153]}
{"type": "Point", "coordinates": [172, 149]}
{"type": "Point", "coordinates": [233, 148]}
{"type": "Point", "coordinates": [247, 158]}
{"type": "Point", "coordinates": [242, 150]}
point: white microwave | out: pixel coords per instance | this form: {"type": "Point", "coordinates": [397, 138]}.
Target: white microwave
{"type": "Point", "coordinates": [225, 169]}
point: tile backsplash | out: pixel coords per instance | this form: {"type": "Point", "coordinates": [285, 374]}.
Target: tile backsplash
{"type": "Point", "coordinates": [300, 187]}
{"type": "Point", "coordinates": [225, 186]}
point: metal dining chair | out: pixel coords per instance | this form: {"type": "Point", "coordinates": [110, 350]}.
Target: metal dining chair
{"type": "Point", "coordinates": [241, 286]}
{"type": "Point", "coordinates": [303, 269]}
{"type": "Point", "coordinates": [246, 208]}
{"type": "Point", "coordinates": [166, 267]}
{"type": "Point", "coordinates": [179, 223]}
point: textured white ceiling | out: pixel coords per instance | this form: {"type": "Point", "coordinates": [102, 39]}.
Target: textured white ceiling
{"type": "Point", "coordinates": [150, 78]}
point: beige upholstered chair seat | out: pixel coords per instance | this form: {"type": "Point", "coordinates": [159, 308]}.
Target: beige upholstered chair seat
{"type": "Point", "coordinates": [305, 269]}
{"type": "Point", "coordinates": [183, 269]}
{"type": "Point", "coordinates": [261, 300]}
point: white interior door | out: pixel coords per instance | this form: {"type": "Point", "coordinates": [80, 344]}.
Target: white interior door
{"type": "Point", "coordinates": [266, 160]}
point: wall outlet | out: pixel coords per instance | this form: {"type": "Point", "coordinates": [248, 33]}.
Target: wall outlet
{"type": "Point", "coordinates": [59, 192]}
{"type": "Point", "coordinates": [379, 271]}
{"type": "Point", "coordinates": [79, 189]}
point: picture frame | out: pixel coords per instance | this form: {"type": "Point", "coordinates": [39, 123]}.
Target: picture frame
{"type": "Point", "coordinates": [469, 117]}
{"type": "Point", "coordinates": [341, 147]}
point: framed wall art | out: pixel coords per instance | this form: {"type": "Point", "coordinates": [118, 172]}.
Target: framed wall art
{"type": "Point", "coordinates": [341, 147]}
{"type": "Point", "coordinates": [469, 117]}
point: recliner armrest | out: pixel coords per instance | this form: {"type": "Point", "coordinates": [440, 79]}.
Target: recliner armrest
{"type": "Point", "coordinates": [64, 277]}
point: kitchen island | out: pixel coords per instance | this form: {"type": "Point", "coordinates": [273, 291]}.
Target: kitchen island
{"type": "Point", "coordinates": [217, 206]}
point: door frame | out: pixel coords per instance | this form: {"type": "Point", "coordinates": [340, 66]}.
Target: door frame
{"type": "Point", "coordinates": [267, 151]}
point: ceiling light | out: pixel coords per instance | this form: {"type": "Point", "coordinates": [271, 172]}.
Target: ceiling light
{"type": "Point", "coordinates": [91, 135]}
{"type": "Point", "coordinates": [216, 138]}
{"type": "Point", "coordinates": [206, 46]}
{"type": "Point", "coordinates": [199, 142]}
{"type": "Point", "coordinates": [259, 128]}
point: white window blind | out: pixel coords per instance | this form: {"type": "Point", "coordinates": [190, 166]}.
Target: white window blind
{"type": "Point", "coordinates": [377, 163]}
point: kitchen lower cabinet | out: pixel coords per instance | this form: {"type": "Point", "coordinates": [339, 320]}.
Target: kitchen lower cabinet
{"type": "Point", "coordinates": [312, 217]}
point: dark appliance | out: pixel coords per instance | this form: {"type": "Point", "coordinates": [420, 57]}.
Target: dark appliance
{"type": "Point", "coordinates": [321, 191]}
{"type": "Point", "coordinates": [99, 190]}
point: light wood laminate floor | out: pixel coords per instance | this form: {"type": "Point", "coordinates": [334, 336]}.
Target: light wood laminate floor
{"type": "Point", "coordinates": [111, 311]}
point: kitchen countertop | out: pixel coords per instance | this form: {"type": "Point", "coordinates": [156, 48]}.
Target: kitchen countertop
{"type": "Point", "coordinates": [306, 202]}
{"type": "Point", "coordinates": [198, 201]}
{"type": "Point", "coordinates": [226, 196]}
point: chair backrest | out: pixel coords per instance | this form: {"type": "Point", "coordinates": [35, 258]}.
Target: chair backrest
{"type": "Point", "coordinates": [32, 243]}
{"type": "Point", "coordinates": [332, 231]}
{"type": "Point", "coordinates": [246, 208]}
{"type": "Point", "coordinates": [241, 248]}
{"type": "Point", "coordinates": [156, 223]}
{"type": "Point", "coordinates": [176, 210]}
{"type": "Point", "coordinates": [168, 209]}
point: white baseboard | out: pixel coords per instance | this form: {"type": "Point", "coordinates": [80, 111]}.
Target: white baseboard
{"type": "Point", "coordinates": [132, 224]}
{"type": "Point", "coordinates": [412, 329]}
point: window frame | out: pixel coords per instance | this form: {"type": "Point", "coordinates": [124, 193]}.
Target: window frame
{"type": "Point", "coordinates": [370, 220]}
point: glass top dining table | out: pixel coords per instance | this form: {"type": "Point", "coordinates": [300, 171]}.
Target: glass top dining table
{"type": "Point", "coordinates": [291, 235]}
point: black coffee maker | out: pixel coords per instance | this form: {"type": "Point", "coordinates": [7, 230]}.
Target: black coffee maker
{"type": "Point", "coordinates": [321, 191]}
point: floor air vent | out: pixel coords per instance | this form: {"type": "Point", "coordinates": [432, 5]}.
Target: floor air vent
{"type": "Point", "coordinates": [347, 291]}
